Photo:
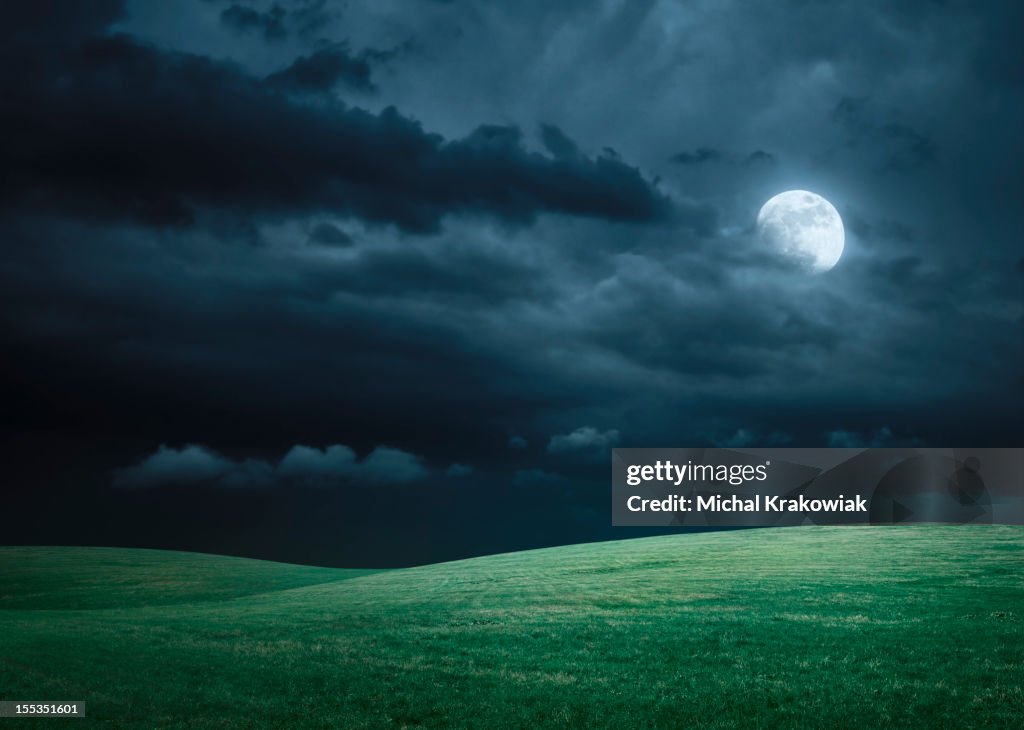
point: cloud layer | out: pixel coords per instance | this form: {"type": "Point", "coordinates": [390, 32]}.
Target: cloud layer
{"type": "Point", "coordinates": [303, 465]}
{"type": "Point", "coordinates": [510, 235]}
{"type": "Point", "coordinates": [88, 116]}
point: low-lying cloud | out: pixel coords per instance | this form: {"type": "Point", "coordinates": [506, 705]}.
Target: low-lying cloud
{"type": "Point", "coordinates": [584, 438]}
{"type": "Point", "coordinates": [302, 466]}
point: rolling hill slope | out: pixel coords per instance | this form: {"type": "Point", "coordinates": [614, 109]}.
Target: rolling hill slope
{"type": "Point", "coordinates": [840, 627]}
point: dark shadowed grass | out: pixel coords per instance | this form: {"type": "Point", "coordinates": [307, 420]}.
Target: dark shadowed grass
{"type": "Point", "coordinates": [85, 578]}
{"type": "Point", "coordinates": [797, 627]}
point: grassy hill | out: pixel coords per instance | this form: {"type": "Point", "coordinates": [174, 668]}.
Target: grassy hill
{"type": "Point", "coordinates": [799, 627]}
{"type": "Point", "coordinates": [89, 578]}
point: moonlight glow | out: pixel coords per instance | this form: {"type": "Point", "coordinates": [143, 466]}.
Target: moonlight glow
{"type": "Point", "coordinates": [803, 227]}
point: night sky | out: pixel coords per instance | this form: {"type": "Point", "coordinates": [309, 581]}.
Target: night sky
{"type": "Point", "coordinates": [381, 283]}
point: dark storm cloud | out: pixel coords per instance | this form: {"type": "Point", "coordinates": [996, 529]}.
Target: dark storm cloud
{"type": "Point", "coordinates": [327, 234]}
{"type": "Point", "coordinates": [537, 478]}
{"type": "Point", "coordinates": [310, 17]}
{"type": "Point", "coordinates": [900, 147]}
{"type": "Point", "coordinates": [255, 349]}
{"type": "Point", "coordinates": [759, 156]}
{"type": "Point", "coordinates": [663, 323]}
{"type": "Point", "coordinates": [28, 24]}
{"type": "Point", "coordinates": [246, 20]}
{"type": "Point", "coordinates": [702, 154]}
{"type": "Point", "coordinates": [883, 229]}
{"type": "Point", "coordinates": [195, 253]}
{"type": "Point", "coordinates": [325, 69]}
{"type": "Point", "coordinates": [462, 275]}
{"type": "Point", "coordinates": [275, 22]}
{"type": "Point", "coordinates": [94, 145]}
{"type": "Point", "coordinates": [911, 149]}
{"type": "Point", "coordinates": [558, 143]}
{"type": "Point", "coordinates": [1001, 57]}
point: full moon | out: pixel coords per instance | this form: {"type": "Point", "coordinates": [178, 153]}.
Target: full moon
{"type": "Point", "coordinates": [803, 227]}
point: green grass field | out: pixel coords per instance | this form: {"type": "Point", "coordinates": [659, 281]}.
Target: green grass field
{"type": "Point", "coordinates": [796, 627]}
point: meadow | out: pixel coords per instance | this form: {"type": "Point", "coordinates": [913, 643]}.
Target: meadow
{"type": "Point", "coordinates": [910, 626]}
